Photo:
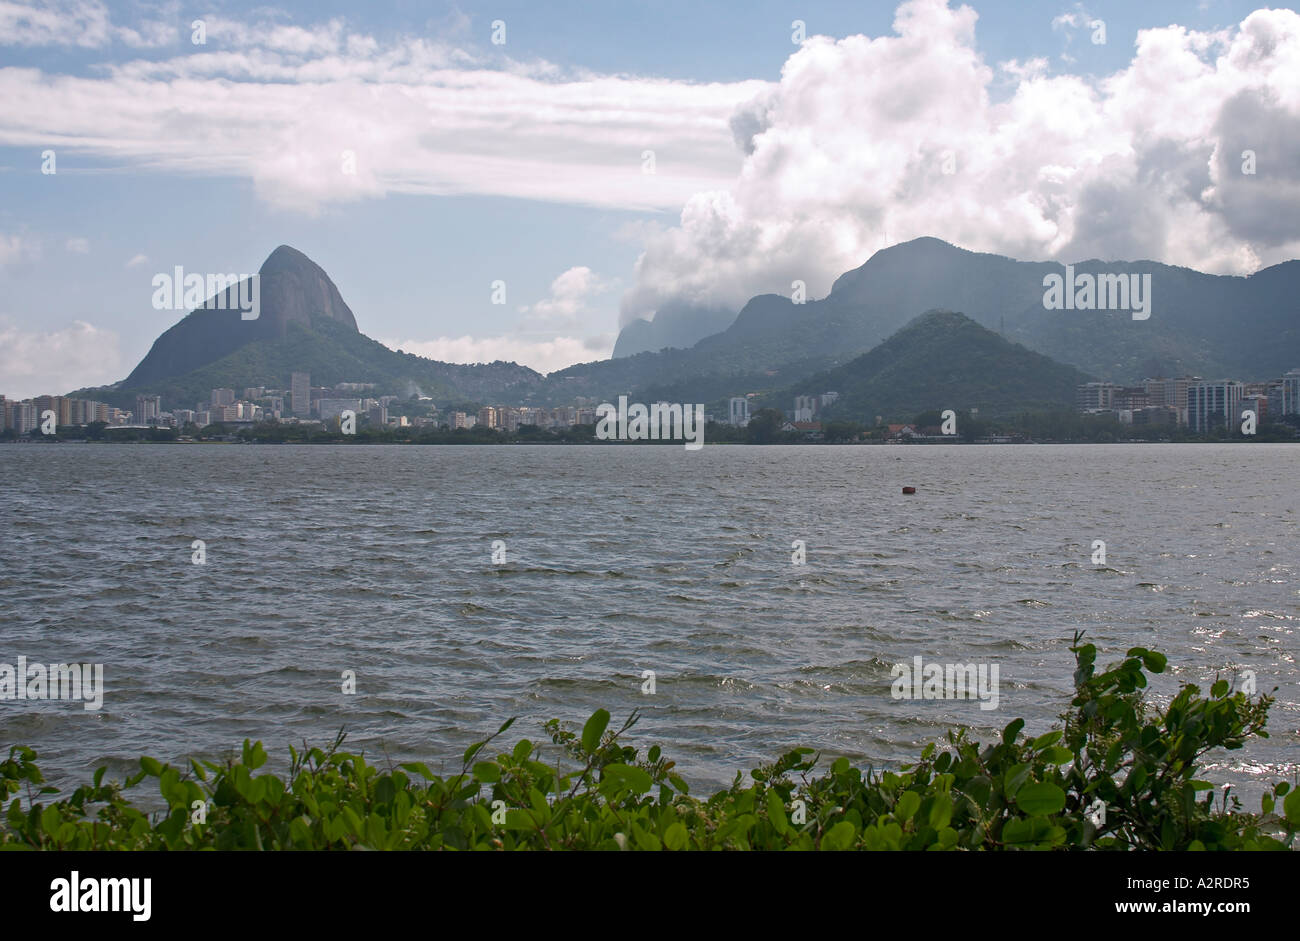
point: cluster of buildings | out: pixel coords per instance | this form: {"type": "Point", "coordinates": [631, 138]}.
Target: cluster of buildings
{"type": "Point", "coordinates": [1191, 401]}
{"type": "Point", "coordinates": [510, 418]}
{"type": "Point", "coordinates": [807, 410]}
{"type": "Point", "coordinates": [1187, 401]}
{"type": "Point", "coordinates": [300, 403]}
{"type": "Point", "coordinates": [25, 416]}
{"type": "Point", "coordinates": [307, 402]}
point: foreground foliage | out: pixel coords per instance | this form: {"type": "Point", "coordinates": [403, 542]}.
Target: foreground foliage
{"type": "Point", "coordinates": [1118, 774]}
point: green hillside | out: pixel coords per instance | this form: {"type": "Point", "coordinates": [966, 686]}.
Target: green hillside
{"type": "Point", "coordinates": [941, 360]}
{"type": "Point", "coordinates": [332, 353]}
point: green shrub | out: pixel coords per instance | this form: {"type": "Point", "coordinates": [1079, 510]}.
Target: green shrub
{"type": "Point", "coordinates": [1114, 751]}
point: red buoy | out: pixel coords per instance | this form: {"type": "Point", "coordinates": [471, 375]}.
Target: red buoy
{"type": "Point", "coordinates": [909, 490]}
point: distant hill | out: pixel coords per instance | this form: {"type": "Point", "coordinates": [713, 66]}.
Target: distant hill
{"type": "Point", "coordinates": [941, 360]}
{"type": "Point", "coordinates": [1201, 324]}
{"type": "Point", "coordinates": [674, 325]}
{"type": "Point", "coordinates": [1208, 325]}
{"type": "Point", "coordinates": [304, 325]}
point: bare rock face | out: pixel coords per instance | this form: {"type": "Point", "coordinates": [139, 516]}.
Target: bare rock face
{"type": "Point", "coordinates": [296, 288]}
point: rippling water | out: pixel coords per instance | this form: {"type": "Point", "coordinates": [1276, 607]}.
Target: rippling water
{"type": "Point", "coordinates": [323, 559]}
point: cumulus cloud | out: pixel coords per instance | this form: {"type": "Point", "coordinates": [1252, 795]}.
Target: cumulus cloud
{"type": "Point", "coordinates": [546, 355]}
{"type": "Point", "coordinates": [866, 142]}
{"type": "Point", "coordinates": [570, 295]}
{"type": "Point", "coordinates": [56, 361]}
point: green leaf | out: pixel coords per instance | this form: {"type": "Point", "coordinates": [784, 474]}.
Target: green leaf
{"type": "Point", "coordinates": [646, 840]}
{"type": "Point", "coordinates": [776, 812]}
{"type": "Point", "coordinates": [676, 837]}
{"type": "Point", "coordinates": [626, 777]}
{"type": "Point", "coordinates": [1015, 776]}
{"type": "Point", "coordinates": [151, 766]}
{"type": "Point", "coordinates": [489, 772]}
{"type": "Point", "coordinates": [907, 805]}
{"type": "Point", "coordinates": [941, 811]}
{"type": "Point", "coordinates": [840, 836]}
{"type": "Point", "coordinates": [1051, 738]}
{"type": "Point", "coordinates": [1291, 807]}
{"type": "Point", "coordinates": [593, 730]}
{"type": "Point", "coordinates": [1040, 798]}
{"type": "Point", "coordinates": [420, 768]}
{"type": "Point", "coordinates": [1012, 730]}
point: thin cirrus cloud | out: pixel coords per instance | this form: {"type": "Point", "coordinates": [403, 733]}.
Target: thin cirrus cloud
{"type": "Point", "coordinates": [317, 116]}
{"type": "Point", "coordinates": [83, 23]}
{"type": "Point", "coordinates": [868, 142]}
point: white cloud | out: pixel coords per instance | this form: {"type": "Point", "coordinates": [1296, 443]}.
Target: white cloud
{"type": "Point", "coordinates": [54, 362]}
{"type": "Point", "coordinates": [569, 297]}
{"type": "Point", "coordinates": [83, 23]}
{"type": "Point", "coordinates": [136, 261]}
{"type": "Point", "coordinates": [544, 356]}
{"type": "Point", "coordinates": [279, 104]}
{"type": "Point", "coordinates": [18, 249]}
{"type": "Point", "coordinates": [79, 246]}
{"type": "Point", "coordinates": [847, 155]}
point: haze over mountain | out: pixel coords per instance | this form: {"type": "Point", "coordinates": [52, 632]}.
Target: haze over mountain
{"type": "Point", "coordinates": [674, 325]}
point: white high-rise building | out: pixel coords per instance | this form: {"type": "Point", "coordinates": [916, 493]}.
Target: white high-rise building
{"type": "Point", "coordinates": [147, 409]}
{"type": "Point", "coordinates": [739, 411]}
{"type": "Point", "coordinates": [1214, 403]}
{"type": "Point", "coordinates": [805, 407]}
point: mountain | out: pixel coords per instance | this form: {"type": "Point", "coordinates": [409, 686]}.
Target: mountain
{"type": "Point", "coordinates": [1200, 324]}
{"type": "Point", "coordinates": [674, 325]}
{"type": "Point", "coordinates": [304, 325]}
{"type": "Point", "coordinates": [294, 290]}
{"type": "Point", "coordinates": [942, 360]}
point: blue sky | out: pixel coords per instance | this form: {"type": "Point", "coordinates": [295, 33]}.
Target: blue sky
{"type": "Point", "coordinates": [523, 161]}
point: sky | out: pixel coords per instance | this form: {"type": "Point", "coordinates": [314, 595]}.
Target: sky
{"type": "Point", "coordinates": [602, 159]}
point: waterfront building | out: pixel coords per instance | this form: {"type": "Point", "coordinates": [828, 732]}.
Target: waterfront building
{"type": "Point", "coordinates": [1212, 404]}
